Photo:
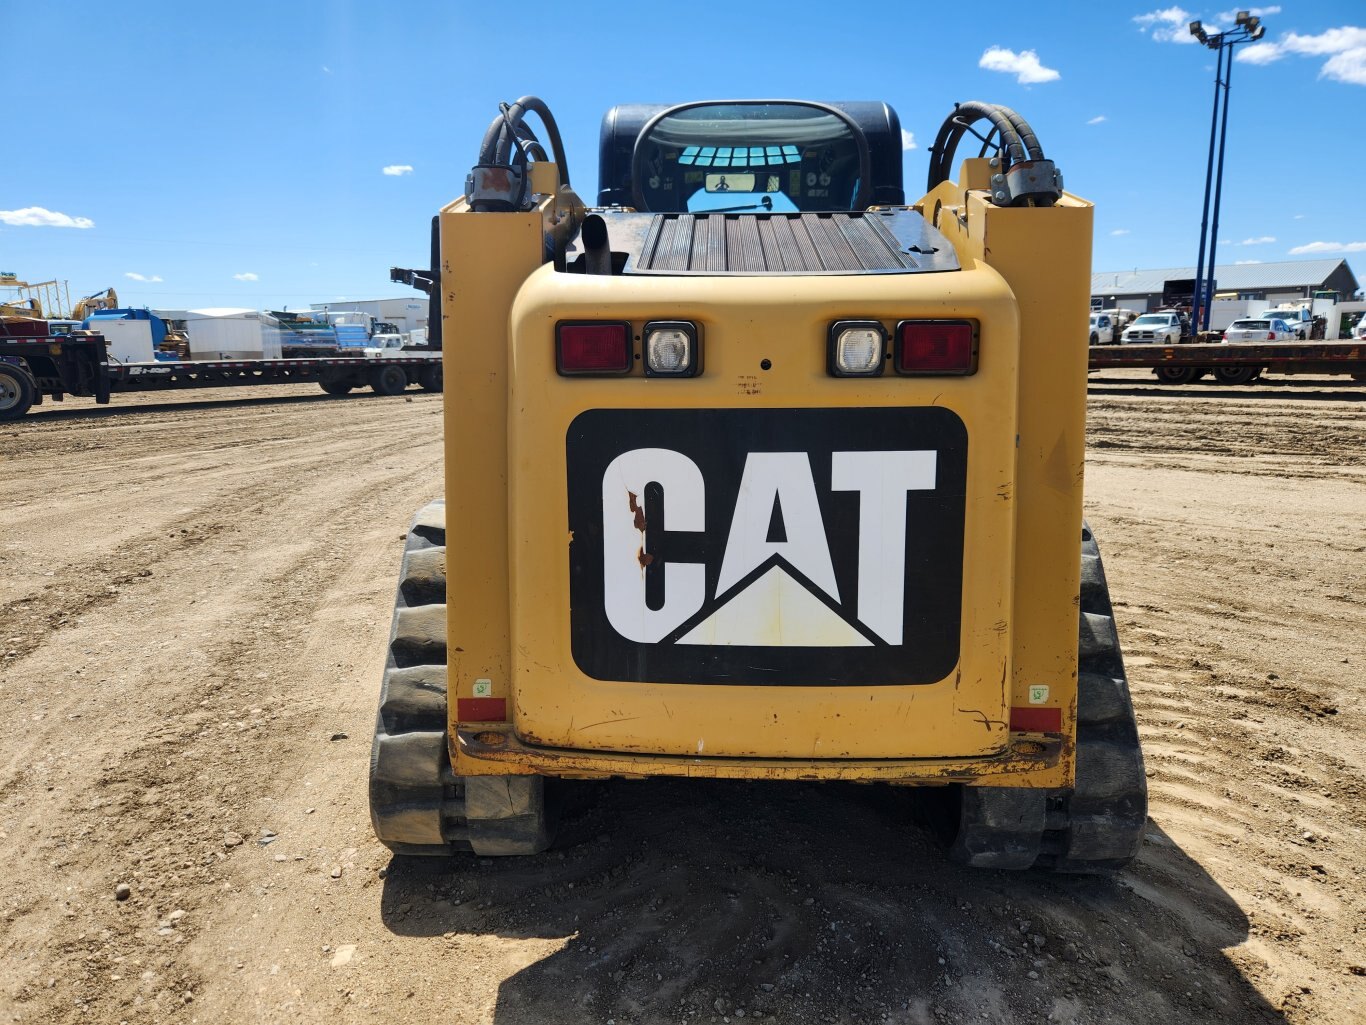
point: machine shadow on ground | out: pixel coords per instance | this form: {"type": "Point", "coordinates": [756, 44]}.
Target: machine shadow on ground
{"type": "Point", "coordinates": [700, 901]}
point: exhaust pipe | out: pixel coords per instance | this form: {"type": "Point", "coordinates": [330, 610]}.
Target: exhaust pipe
{"type": "Point", "coordinates": [597, 250]}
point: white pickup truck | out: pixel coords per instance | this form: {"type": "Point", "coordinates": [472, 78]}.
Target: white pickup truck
{"type": "Point", "coordinates": [1300, 319]}
{"type": "Point", "coordinates": [1106, 325]}
{"type": "Point", "coordinates": [386, 344]}
{"type": "Point", "coordinates": [1102, 329]}
{"type": "Point", "coordinates": [1155, 329]}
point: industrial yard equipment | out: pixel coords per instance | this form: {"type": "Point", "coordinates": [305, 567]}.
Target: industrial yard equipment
{"type": "Point", "coordinates": [758, 472]}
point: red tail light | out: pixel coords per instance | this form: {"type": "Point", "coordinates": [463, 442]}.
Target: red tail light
{"type": "Point", "coordinates": [1271, 336]}
{"type": "Point", "coordinates": [936, 347]}
{"type": "Point", "coordinates": [593, 347]}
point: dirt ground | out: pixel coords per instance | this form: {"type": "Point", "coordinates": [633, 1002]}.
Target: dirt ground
{"type": "Point", "coordinates": [194, 602]}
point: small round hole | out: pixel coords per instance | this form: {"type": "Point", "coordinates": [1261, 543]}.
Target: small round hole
{"type": "Point", "coordinates": [765, 364]}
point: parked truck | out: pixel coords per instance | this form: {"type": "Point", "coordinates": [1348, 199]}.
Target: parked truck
{"type": "Point", "coordinates": [1106, 325]}
{"type": "Point", "coordinates": [1166, 327]}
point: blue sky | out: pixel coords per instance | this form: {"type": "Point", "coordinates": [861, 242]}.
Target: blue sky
{"type": "Point", "coordinates": [235, 155]}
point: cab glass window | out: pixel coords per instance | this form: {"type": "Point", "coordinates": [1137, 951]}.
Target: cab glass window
{"type": "Point", "coordinates": [749, 158]}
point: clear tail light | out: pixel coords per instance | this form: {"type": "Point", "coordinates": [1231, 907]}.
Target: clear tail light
{"type": "Point", "coordinates": [672, 349]}
{"type": "Point", "coordinates": [857, 348]}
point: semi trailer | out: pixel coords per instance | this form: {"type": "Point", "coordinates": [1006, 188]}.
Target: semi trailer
{"type": "Point", "coordinates": [36, 365]}
{"type": "Point", "coordinates": [1235, 362]}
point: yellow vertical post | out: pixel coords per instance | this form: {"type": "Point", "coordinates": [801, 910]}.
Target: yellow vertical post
{"type": "Point", "coordinates": [1044, 254]}
{"type": "Point", "coordinates": [485, 257]}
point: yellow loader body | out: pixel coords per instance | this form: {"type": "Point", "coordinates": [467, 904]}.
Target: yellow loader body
{"type": "Point", "coordinates": [528, 693]}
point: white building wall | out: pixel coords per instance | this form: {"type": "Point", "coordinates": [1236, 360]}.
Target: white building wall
{"type": "Point", "coordinates": [406, 312]}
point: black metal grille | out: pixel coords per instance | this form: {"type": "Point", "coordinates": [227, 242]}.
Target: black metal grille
{"type": "Point", "coordinates": [773, 243]}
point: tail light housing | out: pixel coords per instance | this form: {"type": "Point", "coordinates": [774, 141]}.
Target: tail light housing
{"type": "Point", "coordinates": [856, 348]}
{"type": "Point", "coordinates": [599, 348]}
{"type": "Point", "coordinates": [671, 348]}
{"type": "Point", "coordinates": [936, 347]}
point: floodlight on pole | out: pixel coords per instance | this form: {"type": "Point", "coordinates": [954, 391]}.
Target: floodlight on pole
{"type": "Point", "coordinates": [1247, 27]}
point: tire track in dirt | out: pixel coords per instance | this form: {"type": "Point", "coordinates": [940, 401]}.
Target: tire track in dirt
{"type": "Point", "coordinates": [243, 597]}
{"type": "Point", "coordinates": [1246, 667]}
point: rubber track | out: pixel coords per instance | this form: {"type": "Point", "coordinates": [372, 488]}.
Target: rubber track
{"type": "Point", "coordinates": [418, 806]}
{"type": "Point", "coordinates": [1097, 826]}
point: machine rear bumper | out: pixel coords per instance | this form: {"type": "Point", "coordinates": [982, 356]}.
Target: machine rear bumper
{"type": "Point", "coordinates": [1029, 760]}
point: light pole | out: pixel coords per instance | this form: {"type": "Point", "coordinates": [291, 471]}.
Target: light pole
{"type": "Point", "coordinates": [1247, 28]}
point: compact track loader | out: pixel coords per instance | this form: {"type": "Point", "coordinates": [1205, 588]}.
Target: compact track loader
{"type": "Point", "coordinates": [755, 471]}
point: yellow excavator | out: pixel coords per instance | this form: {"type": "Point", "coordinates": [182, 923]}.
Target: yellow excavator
{"type": "Point", "coordinates": [758, 471]}
{"type": "Point", "coordinates": [106, 300]}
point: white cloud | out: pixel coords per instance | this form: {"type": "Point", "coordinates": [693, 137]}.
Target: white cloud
{"type": "Point", "coordinates": [1169, 25]}
{"type": "Point", "coordinates": [1329, 247]}
{"type": "Point", "coordinates": [1120, 231]}
{"type": "Point", "coordinates": [394, 170]}
{"type": "Point", "coordinates": [1260, 241]}
{"type": "Point", "coordinates": [907, 141]}
{"type": "Point", "coordinates": [1244, 263]}
{"type": "Point", "coordinates": [1096, 120]}
{"type": "Point", "coordinates": [135, 276]}
{"type": "Point", "coordinates": [247, 276]}
{"type": "Point", "coordinates": [1260, 53]}
{"type": "Point", "coordinates": [1345, 48]}
{"type": "Point", "coordinates": [1334, 40]}
{"type": "Point", "coordinates": [326, 69]}
{"type": "Point", "coordinates": [1256, 12]}
{"type": "Point", "coordinates": [1299, 217]}
{"type": "Point", "coordinates": [37, 217]}
{"type": "Point", "coordinates": [1024, 65]}
{"type": "Point", "coordinates": [1349, 67]}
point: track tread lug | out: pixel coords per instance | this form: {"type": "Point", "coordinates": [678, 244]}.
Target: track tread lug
{"type": "Point", "coordinates": [430, 522]}
{"type": "Point", "coordinates": [419, 636]}
{"type": "Point", "coordinates": [424, 576]}
{"type": "Point", "coordinates": [413, 698]}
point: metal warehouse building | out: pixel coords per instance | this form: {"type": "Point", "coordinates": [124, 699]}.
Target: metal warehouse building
{"type": "Point", "coordinates": [1274, 282]}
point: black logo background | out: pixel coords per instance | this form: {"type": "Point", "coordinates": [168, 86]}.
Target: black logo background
{"type": "Point", "coordinates": [718, 441]}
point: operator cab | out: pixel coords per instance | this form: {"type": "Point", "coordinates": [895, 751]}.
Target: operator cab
{"type": "Point", "coordinates": [754, 187]}
{"type": "Point", "coordinates": [750, 156]}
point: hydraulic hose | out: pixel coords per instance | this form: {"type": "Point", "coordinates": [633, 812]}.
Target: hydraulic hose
{"type": "Point", "coordinates": [1018, 143]}
{"type": "Point", "coordinates": [508, 127]}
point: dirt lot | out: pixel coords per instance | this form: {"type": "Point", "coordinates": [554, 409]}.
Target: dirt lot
{"type": "Point", "coordinates": [193, 608]}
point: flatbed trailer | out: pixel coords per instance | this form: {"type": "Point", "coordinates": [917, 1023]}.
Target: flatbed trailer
{"type": "Point", "coordinates": [1235, 363]}
{"type": "Point", "coordinates": [53, 367]}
